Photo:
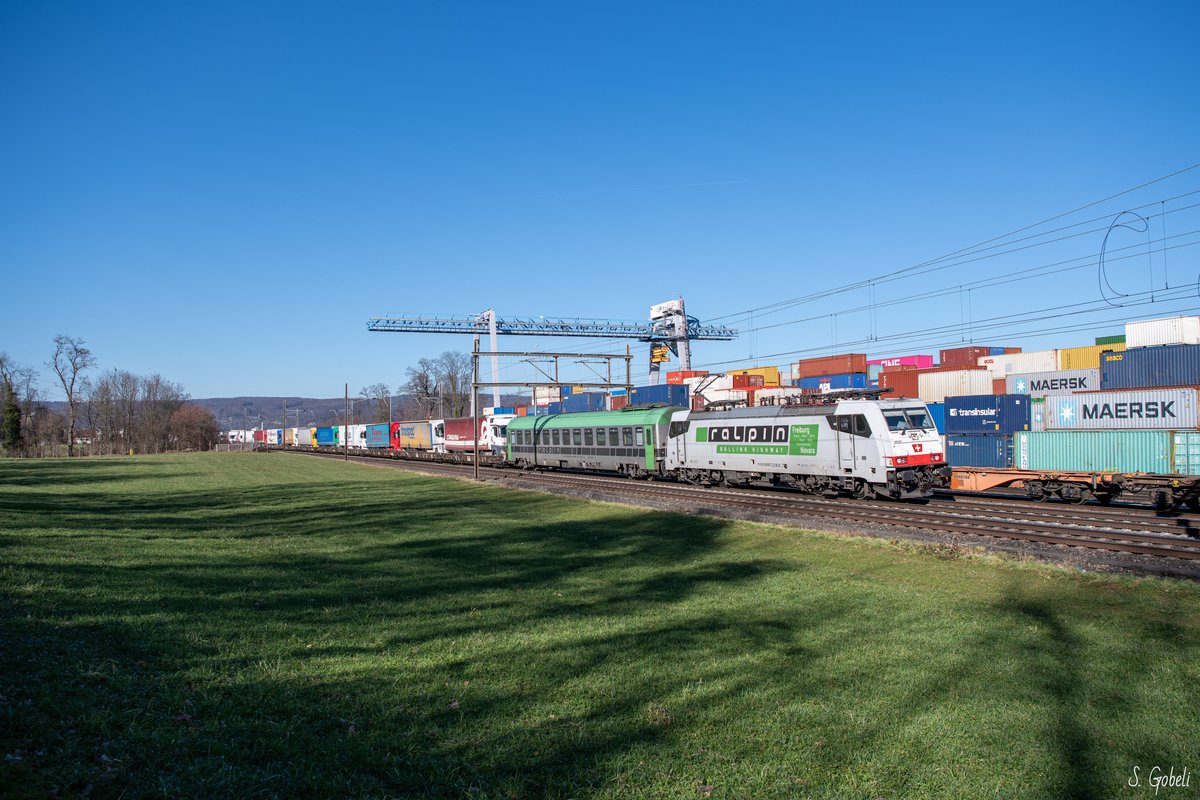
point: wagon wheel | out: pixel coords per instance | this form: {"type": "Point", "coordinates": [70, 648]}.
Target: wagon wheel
{"type": "Point", "coordinates": [1076, 495]}
{"type": "Point", "coordinates": [1193, 503]}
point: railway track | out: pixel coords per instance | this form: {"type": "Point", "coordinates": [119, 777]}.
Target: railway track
{"type": "Point", "coordinates": [1124, 530]}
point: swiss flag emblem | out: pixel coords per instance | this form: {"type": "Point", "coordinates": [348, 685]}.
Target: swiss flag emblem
{"type": "Point", "coordinates": [917, 448]}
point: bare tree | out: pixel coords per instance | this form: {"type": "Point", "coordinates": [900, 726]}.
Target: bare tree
{"type": "Point", "coordinates": [381, 395]}
{"type": "Point", "coordinates": [194, 428]}
{"type": "Point", "coordinates": [422, 386]}
{"type": "Point", "coordinates": [70, 359]}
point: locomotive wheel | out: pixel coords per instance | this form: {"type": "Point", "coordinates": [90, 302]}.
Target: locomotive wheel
{"type": "Point", "coordinates": [862, 490]}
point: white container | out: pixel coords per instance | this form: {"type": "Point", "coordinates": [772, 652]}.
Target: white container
{"type": "Point", "coordinates": [1138, 409]}
{"type": "Point", "coordinates": [1168, 330]}
{"type": "Point", "coordinates": [1040, 384]}
{"type": "Point", "coordinates": [1004, 365]}
{"type": "Point", "coordinates": [935, 387]}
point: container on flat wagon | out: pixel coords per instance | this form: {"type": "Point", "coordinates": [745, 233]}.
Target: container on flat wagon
{"type": "Point", "coordinates": [1085, 357]}
{"type": "Point", "coordinates": [987, 413]}
{"type": "Point", "coordinates": [901, 383]}
{"type": "Point", "coordinates": [1147, 367]}
{"type": "Point", "coordinates": [1040, 384]}
{"type": "Point", "coordinates": [830, 365]}
{"type": "Point", "coordinates": [1137, 409]}
{"type": "Point", "coordinates": [937, 413]}
{"type": "Point", "coordinates": [1007, 364]}
{"type": "Point", "coordinates": [1167, 330]}
{"type": "Point", "coordinates": [832, 383]}
{"type": "Point", "coordinates": [412, 435]}
{"type": "Point", "coordinates": [289, 436]}
{"type": "Point", "coordinates": [918, 361]}
{"type": "Point", "coordinates": [379, 435]}
{"type": "Point", "coordinates": [1094, 451]}
{"type": "Point", "coordinates": [663, 393]}
{"type": "Point", "coordinates": [1118, 339]}
{"type": "Point", "coordinates": [770, 375]}
{"type": "Point", "coordinates": [1185, 452]}
{"type": "Point", "coordinates": [935, 387]}
{"type": "Point", "coordinates": [979, 450]}
{"type": "Point", "coordinates": [325, 436]}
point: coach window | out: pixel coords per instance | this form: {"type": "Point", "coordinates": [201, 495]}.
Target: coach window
{"type": "Point", "coordinates": [627, 437]}
{"type": "Point", "coordinates": [637, 437]}
{"type": "Point", "coordinates": [612, 437]}
{"type": "Point", "coordinates": [554, 436]}
{"type": "Point", "coordinates": [600, 437]}
{"type": "Point", "coordinates": [587, 437]}
{"type": "Point", "coordinates": [577, 437]}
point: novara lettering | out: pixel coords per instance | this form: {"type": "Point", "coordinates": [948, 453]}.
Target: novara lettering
{"type": "Point", "coordinates": [749, 434]}
{"type": "Point", "coordinates": [1152, 410]}
{"type": "Point", "coordinates": [1057, 384]}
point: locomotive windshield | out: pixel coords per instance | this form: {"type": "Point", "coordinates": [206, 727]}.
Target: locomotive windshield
{"type": "Point", "coordinates": [903, 419]}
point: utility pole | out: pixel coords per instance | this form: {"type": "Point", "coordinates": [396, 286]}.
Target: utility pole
{"type": "Point", "coordinates": [346, 426]}
{"type": "Point", "coordinates": [474, 405]}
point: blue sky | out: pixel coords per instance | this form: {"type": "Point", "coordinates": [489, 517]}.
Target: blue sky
{"type": "Point", "coordinates": [225, 193]}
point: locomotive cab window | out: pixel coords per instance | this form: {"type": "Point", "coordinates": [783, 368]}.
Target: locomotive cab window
{"type": "Point", "coordinates": [587, 437]}
{"type": "Point", "coordinates": [678, 429]}
{"type": "Point", "coordinates": [861, 427]}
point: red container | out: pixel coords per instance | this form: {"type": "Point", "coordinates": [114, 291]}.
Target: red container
{"type": "Point", "coordinates": [618, 401]}
{"type": "Point", "coordinates": [1008, 351]}
{"type": "Point", "coordinates": [521, 411]}
{"type": "Point", "coordinates": [999, 386]}
{"type": "Point", "coordinates": [902, 368]}
{"type": "Point", "coordinates": [260, 436]}
{"type": "Point", "coordinates": [679, 376]}
{"type": "Point", "coordinates": [901, 382]}
{"type": "Point", "coordinates": [831, 365]}
{"type": "Point", "coordinates": [697, 402]}
{"type": "Point", "coordinates": [459, 433]}
{"type": "Point", "coordinates": [748, 381]}
{"type": "Point", "coordinates": [960, 357]}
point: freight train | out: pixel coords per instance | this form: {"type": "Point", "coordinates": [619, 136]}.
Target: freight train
{"type": "Point", "coordinates": [864, 448]}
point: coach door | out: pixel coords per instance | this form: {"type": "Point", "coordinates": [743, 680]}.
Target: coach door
{"type": "Point", "coordinates": [844, 425]}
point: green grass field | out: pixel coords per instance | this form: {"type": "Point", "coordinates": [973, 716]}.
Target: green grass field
{"type": "Point", "coordinates": [273, 625]}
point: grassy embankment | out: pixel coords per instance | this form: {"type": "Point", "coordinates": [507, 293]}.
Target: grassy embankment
{"type": "Point", "coordinates": [276, 625]}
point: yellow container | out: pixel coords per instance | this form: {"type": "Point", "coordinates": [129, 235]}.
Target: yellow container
{"type": "Point", "coordinates": [770, 374]}
{"type": "Point", "coordinates": [1085, 357]}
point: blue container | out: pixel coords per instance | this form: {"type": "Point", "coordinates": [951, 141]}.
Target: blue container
{"type": "Point", "coordinates": [997, 351]}
{"type": "Point", "coordinates": [979, 450]}
{"type": "Point", "coordinates": [937, 413]}
{"type": "Point", "coordinates": [670, 394]}
{"type": "Point", "coordinates": [829, 383]}
{"type": "Point", "coordinates": [564, 391]}
{"type": "Point", "coordinates": [617, 392]}
{"type": "Point", "coordinates": [554, 408]}
{"type": "Point", "coordinates": [589, 401]}
{"type": "Point", "coordinates": [325, 437]}
{"type": "Point", "coordinates": [503, 410]}
{"type": "Point", "coordinates": [1146, 367]}
{"type": "Point", "coordinates": [379, 435]}
{"type": "Point", "coordinates": [987, 413]}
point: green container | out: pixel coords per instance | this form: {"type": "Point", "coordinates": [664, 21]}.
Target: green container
{"type": "Point", "coordinates": [1095, 451]}
{"type": "Point", "coordinates": [1186, 455]}
{"type": "Point", "coordinates": [1119, 339]}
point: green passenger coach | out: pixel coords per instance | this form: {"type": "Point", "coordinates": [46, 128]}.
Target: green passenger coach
{"type": "Point", "coordinates": [632, 441]}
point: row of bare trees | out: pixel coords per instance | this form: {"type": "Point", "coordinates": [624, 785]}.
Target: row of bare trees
{"type": "Point", "coordinates": [122, 412]}
{"type": "Point", "coordinates": [435, 386]}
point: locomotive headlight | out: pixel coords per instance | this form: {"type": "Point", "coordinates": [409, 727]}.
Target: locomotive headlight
{"type": "Point", "coordinates": [935, 457]}
{"type": "Point", "coordinates": [893, 461]}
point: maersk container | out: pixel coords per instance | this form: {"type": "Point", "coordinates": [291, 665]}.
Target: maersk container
{"type": "Point", "coordinates": [1040, 384]}
{"type": "Point", "coordinates": [1094, 451]}
{"type": "Point", "coordinates": [1085, 357]}
{"type": "Point", "coordinates": [663, 393]}
{"type": "Point", "coordinates": [379, 436]}
{"type": "Point", "coordinates": [325, 437]}
{"type": "Point", "coordinates": [935, 387]}
{"type": "Point", "coordinates": [1186, 453]}
{"type": "Point", "coordinates": [1148, 367]}
{"type": "Point", "coordinates": [1168, 330]}
{"type": "Point", "coordinates": [979, 450]}
{"type": "Point", "coordinates": [1139, 409]}
{"type": "Point", "coordinates": [987, 413]}
{"type": "Point", "coordinates": [937, 413]}
{"type": "Point", "coordinates": [829, 383]}
{"type": "Point", "coordinates": [1007, 364]}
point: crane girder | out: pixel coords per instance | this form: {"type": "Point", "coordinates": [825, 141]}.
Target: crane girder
{"type": "Point", "coordinates": [544, 326]}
